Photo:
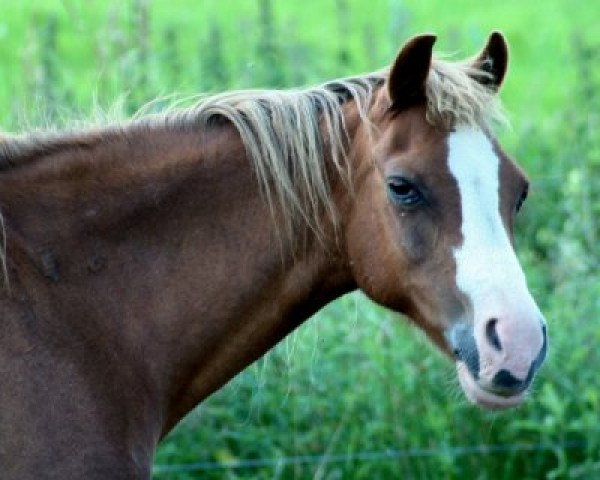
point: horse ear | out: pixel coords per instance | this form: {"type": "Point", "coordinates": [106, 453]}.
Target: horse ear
{"type": "Point", "coordinates": [406, 82]}
{"type": "Point", "coordinates": [493, 60]}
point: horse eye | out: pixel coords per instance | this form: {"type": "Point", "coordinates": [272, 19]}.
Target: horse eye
{"type": "Point", "coordinates": [522, 199]}
{"type": "Point", "coordinates": [404, 192]}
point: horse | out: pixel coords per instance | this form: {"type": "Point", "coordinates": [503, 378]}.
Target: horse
{"type": "Point", "coordinates": [148, 262]}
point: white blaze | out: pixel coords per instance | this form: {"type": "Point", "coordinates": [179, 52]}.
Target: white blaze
{"type": "Point", "coordinates": [487, 269]}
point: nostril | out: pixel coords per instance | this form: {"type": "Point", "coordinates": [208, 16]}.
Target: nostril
{"type": "Point", "coordinates": [506, 384]}
{"type": "Point", "coordinates": [492, 334]}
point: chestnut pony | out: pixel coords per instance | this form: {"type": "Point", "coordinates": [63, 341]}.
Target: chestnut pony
{"type": "Point", "coordinates": [147, 263]}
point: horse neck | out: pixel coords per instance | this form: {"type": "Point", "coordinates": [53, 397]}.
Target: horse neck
{"type": "Point", "coordinates": [159, 246]}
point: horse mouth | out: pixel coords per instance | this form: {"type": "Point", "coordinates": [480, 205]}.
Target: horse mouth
{"type": "Point", "coordinates": [485, 398]}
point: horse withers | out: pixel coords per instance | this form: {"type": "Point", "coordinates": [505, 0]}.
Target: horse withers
{"type": "Point", "coordinates": [147, 263]}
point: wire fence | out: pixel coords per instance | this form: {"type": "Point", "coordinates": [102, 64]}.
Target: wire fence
{"type": "Point", "coordinates": [385, 455]}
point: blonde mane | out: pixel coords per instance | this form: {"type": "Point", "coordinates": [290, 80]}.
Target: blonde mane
{"type": "Point", "coordinates": [288, 135]}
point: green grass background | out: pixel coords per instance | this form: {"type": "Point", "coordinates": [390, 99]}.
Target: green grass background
{"type": "Point", "coordinates": [357, 378]}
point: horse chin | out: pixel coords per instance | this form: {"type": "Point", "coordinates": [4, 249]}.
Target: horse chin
{"type": "Point", "coordinates": [482, 397]}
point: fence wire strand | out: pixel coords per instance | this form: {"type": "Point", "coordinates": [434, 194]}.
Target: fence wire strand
{"type": "Point", "coordinates": [365, 456]}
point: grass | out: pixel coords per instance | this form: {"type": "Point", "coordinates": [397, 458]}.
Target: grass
{"type": "Point", "coordinates": [357, 378]}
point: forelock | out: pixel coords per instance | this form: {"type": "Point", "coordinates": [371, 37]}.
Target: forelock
{"type": "Point", "coordinates": [456, 97]}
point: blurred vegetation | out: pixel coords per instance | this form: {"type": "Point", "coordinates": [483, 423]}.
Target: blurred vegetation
{"type": "Point", "coordinates": [355, 378]}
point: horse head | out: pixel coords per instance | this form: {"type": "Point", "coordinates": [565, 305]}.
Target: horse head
{"type": "Point", "coordinates": [431, 229]}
